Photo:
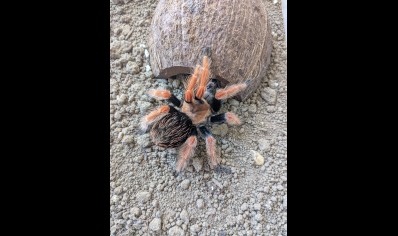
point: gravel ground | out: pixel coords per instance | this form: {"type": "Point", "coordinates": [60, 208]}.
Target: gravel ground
{"type": "Point", "coordinates": [246, 195]}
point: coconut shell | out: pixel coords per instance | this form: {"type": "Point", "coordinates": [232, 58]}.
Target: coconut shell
{"type": "Point", "coordinates": [236, 35]}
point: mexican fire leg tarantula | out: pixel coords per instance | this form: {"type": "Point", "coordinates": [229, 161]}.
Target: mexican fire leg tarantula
{"type": "Point", "coordinates": [178, 127]}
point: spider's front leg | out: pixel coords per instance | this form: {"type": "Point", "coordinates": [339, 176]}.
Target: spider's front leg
{"type": "Point", "coordinates": [186, 151]}
{"type": "Point", "coordinates": [230, 91]}
{"type": "Point", "coordinates": [227, 117]}
{"type": "Point", "coordinates": [210, 146]}
{"type": "Point", "coordinates": [164, 94]}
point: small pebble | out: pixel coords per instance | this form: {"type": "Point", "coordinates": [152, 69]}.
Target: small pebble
{"type": "Point", "coordinates": [118, 190]}
{"type": "Point", "coordinates": [143, 196]}
{"type": "Point", "coordinates": [135, 211]}
{"type": "Point", "coordinates": [184, 216]}
{"type": "Point", "coordinates": [243, 207]}
{"type": "Point", "coordinates": [132, 68]}
{"type": "Point", "coordinates": [258, 158]}
{"type": "Point", "coordinates": [200, 203]}
{"type": "Point", "coordinates": [122, 99]}
{"type": "Point", "coordinates": [175, 231]}
{"type": "Point", "coordinates": [185, 184]}
{"type": "Point", "coordinates": [155, 224]}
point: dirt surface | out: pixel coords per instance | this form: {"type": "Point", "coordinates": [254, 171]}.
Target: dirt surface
{"type": "Point", "coordinates": [240, 197]}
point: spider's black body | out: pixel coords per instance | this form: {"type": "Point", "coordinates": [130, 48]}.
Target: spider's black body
{"type": "Point", "coordinates": [172, 130]}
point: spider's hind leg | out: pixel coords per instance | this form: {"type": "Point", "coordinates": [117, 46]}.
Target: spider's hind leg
{"type": "Point", "coordinates": [155, 115]}
{"type": "Point", "coordinates": [186, 151]}
{"type": "Point", "coordinates": [210, 146]}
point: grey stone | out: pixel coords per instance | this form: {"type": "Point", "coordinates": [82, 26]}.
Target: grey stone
{"type": "Point", "coordinates": [221, 130]}
{"type": "Point", "coordinates": [118, 1]}
{"type": "Point", "coordinates": [117, 115]}
{"type": "Point", "coordinates": [270, 109]}
{"type": "Point", "coordinates": [234, 102]}
{"type": "Point", "coordinates": [269, 95]}
{"type": "Point", "coordinates": [252, 108]}
{"type": "Point", "coordinates": [243, 207]}
{"type": "Point", "coordinates": [197, 164]}
{"type": "Point", "coordinates": [200, 203]}
{"type": "Point", "coordinates": [132, 68]}
{"type": "Point", "coordinates": [118, 190]}
{"type": "Point", "coordinates": [263, 145]}
{"type": "Point", "coordinates": [257, 207]}
{"type": "Point", "coordinates": [239, 219]}
{"type": "Point", "coordinates": [184, 216]}
{"type": "Point", "coordinates": [185, 184]}
{"type": "Point", "coordinates": [195, 228]}
{"type": "Point", "coordinates": [175, 231]}
{"type": "Point", "coordinates": [128, 139]}
{"type": "Point", "coordinates": [143, 140]}
{"type": "Point", "coordinates": [135, 211]}
{"type": "Point", "coordinates": [155, 224]}
{"type": "Point", "coordinates": [258, 217]}
{"type": "Point", "coordinates": [143, 196]}
{"type": "Point", "coordinates": [176, 83]}
{"type": "Point", "coordinates": [143, 106]}
{"type": "Point", "coordinates": [122, 99]}
{"type": "Point", "coordinates": [115, 198]}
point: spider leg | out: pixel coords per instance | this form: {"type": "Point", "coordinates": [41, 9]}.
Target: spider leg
{"type": "Point", "coordinates": [163, 94]}
{"type": "Point", "coordinates": [204, 78]}
{"type": "Point", "coordinates": [227, 117]}
{"type": "Point", "coordinates": [210, 146]}
{"type": "Point", "coordinates": [211, 88]}
{"type": "Point", "coordinates": [215, 104]}
{"type": "Point", "coordinates": [186, 151]}
{"type": "Point", "coordinates": [189, 91]}
{"type": "Point", "coordinates": [230, 91]}
{"type": "Point", "coordinates": [155, 115]}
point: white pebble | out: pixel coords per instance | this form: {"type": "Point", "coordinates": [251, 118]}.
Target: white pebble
{"type": "Point", "coordinates": [258, 158]}
{"type": "Point", "coordinates": [155, 224]}
{"type": "Point", "coordinates": [148, 68]}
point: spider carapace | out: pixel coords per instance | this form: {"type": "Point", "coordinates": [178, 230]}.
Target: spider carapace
{"type": "Point", "coordinates": [177, 125]}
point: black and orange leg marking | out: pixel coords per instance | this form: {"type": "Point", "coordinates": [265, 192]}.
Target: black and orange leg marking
{"type": "Point", "coordinates": [189, 91]}
{"type": "Point", "coordinates": [227, 117]}
{"type": "Point", "coordinates": [163, 94]}
{"type": "Point", "coordinates": [230, 91]}
{"type": "Point", "coordinates": [211, 88]}
{"type": "Point", "coordinates": [186, 151]}
{"type": "Point", "coordinates": [215, 104]}
{"type": "Point", "coordinates": [204, 77]}
{"type": "Point", "coordinates": [210, 146]}
{"type": "Point", "coordinates": [155, 115]}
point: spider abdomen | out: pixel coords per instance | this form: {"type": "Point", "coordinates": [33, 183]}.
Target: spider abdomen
{"type": "Point", "coordinates": [172, 130]}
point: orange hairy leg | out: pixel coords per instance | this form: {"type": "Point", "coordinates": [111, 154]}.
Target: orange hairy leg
{"type": "Point", "coordinates": [211, 150]}
{"type": "Point", "coordinates": [191, 85]}
{"type": "Point", "coordinates": [186, 151]}
{"type": "Point", "coordinates": [204, 78]}
{"type": "Point", "coordinates": [210, 146]}
{"type": "Point", "coordinates": [154, 115]}
{"type": "Point", "coordinates": [230, 91]}
{"type": "Point", "coordinates": [232, 119]}
{"type": "Point", "coordinates": [159, 94]}
{"type": "Point", "coordinates": [228, 117]}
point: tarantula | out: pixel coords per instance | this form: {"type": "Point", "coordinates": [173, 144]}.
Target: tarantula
{"type": "Point", "coordinates": [179, 126]}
